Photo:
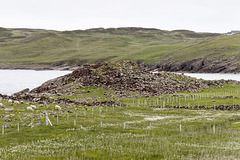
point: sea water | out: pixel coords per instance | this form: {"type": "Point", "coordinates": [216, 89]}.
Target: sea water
{"type": "Point", "coordinates": [12, 81]}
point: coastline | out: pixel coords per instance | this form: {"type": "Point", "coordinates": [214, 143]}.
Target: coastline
{"type": "Point", "coordinates": [37, 67]}
{"type": "Point", "coordinates": [72, 68]}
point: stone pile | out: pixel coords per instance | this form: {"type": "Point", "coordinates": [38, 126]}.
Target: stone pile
{"type": "Point", "coordinates": [61, 101]}
{"type": "Point", "coordinates": [125, 76]}
{"type": "Point", "coordinates": [235, 107]}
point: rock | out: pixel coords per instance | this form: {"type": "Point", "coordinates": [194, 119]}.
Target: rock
{"type": "Point", "coordinates": [16, 102]}
{"type": "Point", "coordinates": [21, 92]}
{"type": "Point", "coordinates": [202, 65]}
{"type": "Point", "coordinates": [57, 107]}
{"type": "Point", "coordinates": [33, 107]}
{"type": "Point", "coordinates": [8, 125]}
{"type": "Point", "coordinates": [29, 108]}
{"type": "Point", "coordinates": [10, 101]}
{"type": "Point", "coordinates": [1, 105]}
{"type": "Point", "coordinates": [9, 109]}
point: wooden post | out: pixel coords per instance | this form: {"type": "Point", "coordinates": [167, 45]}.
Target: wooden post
{"type": "Point", "coordinates": [124, 125]}
{"type": "Point", "coordinates": [180, 128]}
{"type": "Point", "coordinates": [46, 119]}
{"type": "Point", "coordinates": [101, 123]}
{"type": "Point", "coordinates": [214, 128]}
{"type": "Point", "coordinates": [18, 127]}
{"type": "Point", "coordinates": [74, 122]}
{"type": "Point", "coordinates": [92, 110]}
{"type": "Point", "coordinates": [3, 129]}
{"type": "Point", "coordinates": [67, 116]}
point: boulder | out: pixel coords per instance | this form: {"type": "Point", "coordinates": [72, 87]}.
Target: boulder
{"type": "Point", "coordinates": [9, 109]}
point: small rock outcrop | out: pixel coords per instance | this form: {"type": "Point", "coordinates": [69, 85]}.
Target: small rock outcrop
{"type": "Point", "coordinates": [125, 76]}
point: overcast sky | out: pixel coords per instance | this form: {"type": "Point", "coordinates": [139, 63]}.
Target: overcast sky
{"type": "Point", "coordinates": [198, 15]}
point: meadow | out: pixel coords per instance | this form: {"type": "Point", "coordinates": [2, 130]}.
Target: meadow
{"type": "Point", "coordinates": [46, 47]}
{"type": "Point", "coordinates": [137, 131]}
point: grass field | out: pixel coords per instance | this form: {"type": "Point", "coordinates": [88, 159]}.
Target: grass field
{"type": "Point", "coordinates": [43, 47]}
{"type": "Point", "coordinates": [133, 132]}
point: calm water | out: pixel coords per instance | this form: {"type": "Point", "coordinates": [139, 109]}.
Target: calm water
{"type": "Point", "coordinates": [214, 76]}
{"type": "Point", "coordinates": [12, 81]}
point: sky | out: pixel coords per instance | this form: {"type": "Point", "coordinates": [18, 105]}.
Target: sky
{"type": "Point", "coordinates": [218, 16]}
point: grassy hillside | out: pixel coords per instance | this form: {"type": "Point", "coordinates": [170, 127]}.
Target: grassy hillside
{"type": "Point", "coordinates": [43, 47]}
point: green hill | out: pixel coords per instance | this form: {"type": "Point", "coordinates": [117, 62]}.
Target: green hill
{"type": "Point", "coordinates": [178, 50]}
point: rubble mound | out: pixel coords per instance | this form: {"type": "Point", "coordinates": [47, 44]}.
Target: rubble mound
{"type": "Point", "coordinates": [126, 76]}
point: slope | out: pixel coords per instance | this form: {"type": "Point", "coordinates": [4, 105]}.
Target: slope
{"type": "Point", "coordinates": [43, 47]}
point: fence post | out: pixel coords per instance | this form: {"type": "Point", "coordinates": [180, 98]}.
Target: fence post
{"type": "Point", "coordinates": [46, 119]}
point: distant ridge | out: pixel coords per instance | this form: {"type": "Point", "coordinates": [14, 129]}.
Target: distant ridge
{"type": "Point", "coordinates": [177, 50]}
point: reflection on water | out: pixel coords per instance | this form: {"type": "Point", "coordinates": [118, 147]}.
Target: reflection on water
{"type": "Point", "coordinates": [12, 81]}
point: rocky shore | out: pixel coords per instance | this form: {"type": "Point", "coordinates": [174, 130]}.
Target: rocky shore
{"type": "Point", "coordinates": [126, 76]}
{"type": "Point", "coordinates": [200, 65]}
{"type": "Point", "coordinates": [127, 79]}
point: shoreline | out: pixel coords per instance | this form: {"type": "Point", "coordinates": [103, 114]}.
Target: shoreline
{"type": "Point", "coordinates": [37, 67]}
{"type": "Point", "coordinates": [72, 68]}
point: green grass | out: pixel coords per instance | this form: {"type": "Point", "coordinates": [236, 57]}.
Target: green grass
{"type": "Point", "coordinates": [149, 133]}
{"type": "Point", "coordinates": [163, 140]}
{"type": "Point", "coordinates": [45, 47]}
